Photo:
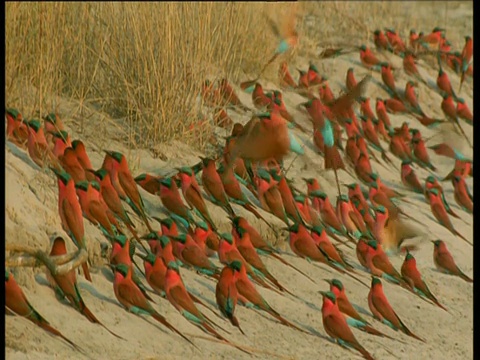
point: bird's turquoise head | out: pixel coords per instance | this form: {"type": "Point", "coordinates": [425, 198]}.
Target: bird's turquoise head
{"type": "Point", "coordinates": [12, 112]}
{"type": "Point", "coordinates": [34, 124]}
{"type": "Point", "coordinates": [336, 283]}
{"type": "Point", "coordinates": [167, 222]}
{"type": "Point", "coordinates": [120, 239]}
{"type": "Point", "coordinates": [318, 229]}
{"type": "Point", "coordinates": [153, 235]}
{"type": "Point", "coordinates": [235, 265]}
{"type": "Point", "coordinates": [76, 143]}
{"type": "Point", "coordinates": [82, 185]}
{"type": "Point", "coordinates": [51, 118]}
{"type": "Point", "coordinates": [101, 174]}
{"type": "Point", "coordinates": [437, 242]}
{"type": "Point", "coordinates": [433, 191]}
{"type": "Point", "coordinates": [7, 275]}
{"type": "Point", "coordinates": [202, 225]}
{"type": "Point", "coordinates": [227, 237]}
{"type": "Point", "coordinates": [117, 156]}
{"type": "Point", "coordinates": [376, 281]}
{"type": "Point", "coordinates": [363, 48]}
{"type": "Point", "coordinates": [181, 238]}
{"type": "Point", "coordinates": [172, 265]}
{"type": "Point", "coordinates": [164, 241]}
{"type": "Point", "coordinates": [409, 256]}
{"type": "Point", "coordinates": [329, 295]}
{"type": "Point", "coordinates": [380, 209]}
{"type": "Point", "coordinates": [294, 228]}
{"type": "Point", "coordinates": [377, 32]}
{"type": "Point", "coordinates": [62, 175]}
{"type": "Point", "coordinates": [185, 170]}
{"type": "Point", "coordinates": [167, 182]}
{"type": "Point", "coordinates": [150, 258]}
{"type": "Point", "coordinates": [373, 244]}
{"type": "Point", "coordinates": [430, 179]}
{"type": "Point", "coordinates": [122, 269]}
{"type": "Point", "coordinates": [140, 177]}
{"type": "Point", "coordinates": [319, 194]}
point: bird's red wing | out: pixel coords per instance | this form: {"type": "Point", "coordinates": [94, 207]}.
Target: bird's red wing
{"type": "Point", "coordinates": [184, 301]}
{"type": "Point", "coordinates": [338, 328]}
{"type": "Point", "coordinates": [132, 295]}
{"type": "Point", "coordinates": [74, 223]}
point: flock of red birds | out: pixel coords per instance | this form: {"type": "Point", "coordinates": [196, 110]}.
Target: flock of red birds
{"type": "Point", "coordinates": [253, 158]}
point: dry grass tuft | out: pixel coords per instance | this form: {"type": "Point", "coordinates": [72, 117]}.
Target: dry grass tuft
{"type": "Point", "coordinates": [142, 64]}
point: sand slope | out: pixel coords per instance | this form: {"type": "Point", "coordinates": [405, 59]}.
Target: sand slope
{"type": "Point", "coordinates": [32, 216]}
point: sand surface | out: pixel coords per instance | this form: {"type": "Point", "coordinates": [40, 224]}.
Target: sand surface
{"type": "Point", "coordinates": [32, 216]}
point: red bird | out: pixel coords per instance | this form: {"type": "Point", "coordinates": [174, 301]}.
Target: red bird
{"type": "Point", "coordinates": [444, 261]}
{"type": "Point", "coordinates": [448, 108]}
{"type": "Point", "coordinates": [409, 178]}
{"type": "Point", "coordinates": [367, 58]}
{"type": "Point", "coordinates": [388, 79]}
{"type": "Point", "coordinates": [351, 82]}
{"type": "Point", "coordinates": [148, 182]}
{"type": "Point", "coordinates": [83, 159]}
{"type": "Point", "coordinates": [381, 42]}
{"type": "Point", "coordinates": [383, 311]}
{"type": "Point", "coordinates": [226, 292]}
{"type": "Point", "coordinates": [438, 210]}
{"type": "Point", "coordinates": [466, 56]}
{"type": "Point", "coordinates": [65, 285]}
{"type": "Point", "coordinates": [411, 274]}
{"type": "Point", "coordinates": [461, 194]}
{"type": "Point", "coordinates": [17, 128]}
{"type": "Point", "coordinates": [17, 302]}
{"type": "Point", "coordinates": [71, 213]}
{"type": "Point", "coordinates": [463, 111]}
{"type": "Point", "coordinates": [443, 83]}
{"type": "Point", "coordinates": [286, 79]}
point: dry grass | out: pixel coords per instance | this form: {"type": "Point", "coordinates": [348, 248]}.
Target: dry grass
{"type": "Point", "coordinates": [143, 63]}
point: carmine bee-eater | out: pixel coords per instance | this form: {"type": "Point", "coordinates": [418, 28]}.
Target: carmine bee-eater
{"type": "Point", "coordinates": [178, 296]}
{"type": "Point", "coordinates": [368, 59]}
{"type": "Point", "coordinates": [191, 254]}
{"type": "Point", "coordinates": [350, 81]}
{"type": "Point", "coordinates": [466, 56]}
{"type": "Point", "coordinates": [410, 67]}
{"type": "Point", "coordinates": [351, 315]}
{"type": "Point", "coordinates": [121, 171]}
{"type": "Point", "coordinates": [380, 40]}
{"type": "Point", "coordinates": [379, 264]}
{"type": "Point", "coordinates": [444, 84]}
{"type": "Point", "coordinates": [17, 128]}
{"type": "Point", "coordinates": [72, 166]}
{"type": "Point", "coordinates": [149, 183]}
{"type": "Point", "coordinates": [463, 111]}
{"type": "Point", "coordinates": [432, 183]}
{"type": "Point", "coordinates": [286, 79]}
{"type": "Point", "coordinates": [79, 148]}
{"type": "Point", "coordinates": [112, 199]}
{"type": "Point", "coordinates": [395, 41]}
{"type": "Point", "coordinates": [172, 201]}
{"type": "Point", "coordinates": [411, 98]}
{"type": "Point", "coordinates": [444, 262]}
{"type": "Point", "coordinates": [130, 296]}
{"type": "Point", "coordinates": [246, 249]}
{"type": "Point", "coordinates": [61, 140]}
{"type": "Point", "coordinates": [388, 79]}
{"type": "Point", "coordinates": [438, 210]}
{"type": "Point", "coordinates": [448, 108]}
{"type": "Point", "coordinates": [228, 252]}
{"type": "Point", "coordinates": [213, 186]}
{"type": "Point", "coordinates": [409, 177]}
{"type": "Point", "coordinates": [193, 194]}
{"type": "Point", "coordinates": [71, 213]}
{"type": "Point", "coordinates": [66, 286]}
{"type": "Point", "coordinates": [319, 236]}
{"type": "Point", "coordinates": [123, 252]}
{"type": "Point", "coordinates": [226, 292]}
{"type": "Point", "coordinates": [336, 325]}
{"type": "Point", "coordinates": [432, 40]}
{"type": "Point", "coordinates": [383, 311]}
{"type": "Point", "coordinates": [461, 194]}
{"type": "Point", "coordinates": [247, 290]}
{"type": "Point", "coordinates": [17, 302]}
{"type": "Point", "coordinates": [95, 209]}
{"type": "Point", "coordinates": [411, 274]}
{"type": "Point", "coordinates": [228, 94]}
{"type": "Point", "coordinates": [37, 145]}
